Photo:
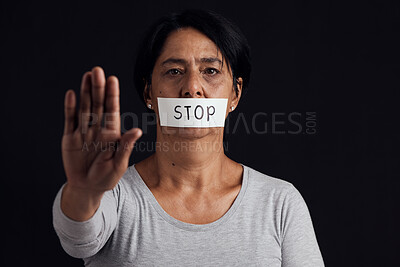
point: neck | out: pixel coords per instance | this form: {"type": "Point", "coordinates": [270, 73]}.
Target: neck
{"type": "Point", "coordinates": [192, 162]}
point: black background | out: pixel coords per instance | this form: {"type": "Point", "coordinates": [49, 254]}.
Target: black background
{"type": "Point", "coordinates": [337, 59]}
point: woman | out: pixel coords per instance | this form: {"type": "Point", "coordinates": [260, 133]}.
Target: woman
{"type": "Point", "coordinates": [179, 207]}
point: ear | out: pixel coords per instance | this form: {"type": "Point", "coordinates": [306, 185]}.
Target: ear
{"type": "Point", "coordinates": [236, 95]}
{"type": "Point", "coordinates": [147, 93]}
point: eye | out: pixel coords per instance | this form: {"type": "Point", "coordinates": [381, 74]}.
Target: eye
{"type": "Point", "coordinates": [211, 71]}
{"type": "Point", "coordinates": [174, 72]}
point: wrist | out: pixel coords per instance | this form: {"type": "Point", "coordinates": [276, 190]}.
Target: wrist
{"type": "Point", "coordinates": [79, 204]}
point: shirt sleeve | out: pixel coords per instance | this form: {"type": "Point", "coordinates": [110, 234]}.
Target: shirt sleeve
{"type": "Point", "coordinates": [299, 243]}
{"type": "Point", "coordinates": [84, 239]}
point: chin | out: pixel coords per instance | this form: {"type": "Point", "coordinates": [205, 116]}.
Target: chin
{"type": "Point", "coordinates": [190, 132]}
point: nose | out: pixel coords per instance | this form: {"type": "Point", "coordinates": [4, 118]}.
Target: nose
{"type": "Point", "coordinates": [192, 86]}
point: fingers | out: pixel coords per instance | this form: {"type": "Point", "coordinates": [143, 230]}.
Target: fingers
{"type": "Point", "coordinates": [95, 93]}
{"type": "Point", "coordinates": [112, 120]}
{"type": "Point", "coordinates": [98, 90]}
{"type": "Point", "coordinates": [69, 112]}
{"type": "Point", "coordinates": [84, 110]}
{"type": "Point", "coordinates": [121, 159]}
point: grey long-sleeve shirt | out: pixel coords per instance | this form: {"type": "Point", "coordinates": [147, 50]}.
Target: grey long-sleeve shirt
{"type": "Point", "coordinates": [268, 224]}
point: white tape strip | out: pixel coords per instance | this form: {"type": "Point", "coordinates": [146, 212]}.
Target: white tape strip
{"type": "Point", "coordinates": [192, 112]}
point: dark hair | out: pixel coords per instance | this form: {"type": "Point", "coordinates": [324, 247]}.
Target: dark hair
{"type": "Point", "coordinates": [227, 37]}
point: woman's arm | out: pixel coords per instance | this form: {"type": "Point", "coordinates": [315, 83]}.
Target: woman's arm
{"type": "Point", "coordinates": [82, 239]}
{"type": "Point", "coordinates": [95, 156]}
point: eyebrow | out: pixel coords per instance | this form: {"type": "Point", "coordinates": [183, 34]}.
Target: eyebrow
{"type": "Point", "coordinates": [173, 60]}
{"type": "Point", "coordinates": [182, 61]}
{"type": "Point", "coordinates": [211, 60]}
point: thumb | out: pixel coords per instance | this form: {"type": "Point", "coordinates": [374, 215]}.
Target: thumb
{"type": "Point", "coordinates": [126, 146]}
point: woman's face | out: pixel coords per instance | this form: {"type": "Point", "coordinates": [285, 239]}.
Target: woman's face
{"type": "Point", "coordinates": [190, 65]}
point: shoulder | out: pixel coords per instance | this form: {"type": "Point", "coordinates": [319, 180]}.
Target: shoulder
{"type": "Point", "coordinates": [126, 188]}
{"type": "Point", "coordinates": [277, 194]}
{"type": "Point", "coordinates": [266, 183]}
{"type": "Point", "coordinates": [266, 188]}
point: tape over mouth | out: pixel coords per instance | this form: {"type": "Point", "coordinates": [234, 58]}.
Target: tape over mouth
{"type": "Point", "coordinates": [192, 112]}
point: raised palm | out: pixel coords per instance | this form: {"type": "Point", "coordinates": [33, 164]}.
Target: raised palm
{"type": "Point", "coordinates": [92, 160]}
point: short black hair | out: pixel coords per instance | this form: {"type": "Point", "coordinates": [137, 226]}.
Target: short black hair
{"type": "Point", "coordinates": [226, 35]}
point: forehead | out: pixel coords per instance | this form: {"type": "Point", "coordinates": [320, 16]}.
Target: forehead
{"type": "Point", "coordinates": [189, 42]}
